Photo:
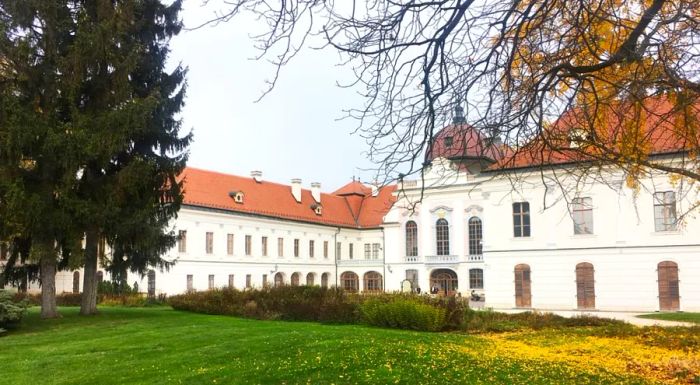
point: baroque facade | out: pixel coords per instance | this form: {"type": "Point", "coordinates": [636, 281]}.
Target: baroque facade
{"type": "Point", "coordinates": [528, 238]}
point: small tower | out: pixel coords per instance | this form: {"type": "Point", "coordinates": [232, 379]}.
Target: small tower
{"type": "Point", "coordinates": [459, 118]}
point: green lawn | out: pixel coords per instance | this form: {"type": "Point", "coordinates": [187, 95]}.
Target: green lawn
{"type": "Point", "coordinates": [163, 346]}
{"type": "Point", "coordinates": [685, 317]}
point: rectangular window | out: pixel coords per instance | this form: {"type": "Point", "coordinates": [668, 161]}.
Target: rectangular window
{"type": "Point", "coordinates": [190, 285]}
{"type": "Point", "coordinates": [248, 281]}
{"type": "Point", "coordinates": [211, 281]}
{"type": "Point", "coordinates": [280, 247]}
{"type": "Point", "coordinates": [375, 251]}
{"type": "Point", "coordinates": [210, 242]}
{"type": "Point", "coordinates": [665, 211]}
{"type": "Point", "coordinates": [476, 279]}
{"type": "Point", "coordinates": [338, 250]}
{"type": "Point", "coordinates": [521, 219]}
{"type": "Point", "coordinates": [351, 251]}
{"type": "Point", "coordinates": [325, 249]}
{"type": "Point", "coordinates": [230, 280]}
{"type": "Point", "coordinates": [368, 250]}
{"type": "Point", "coordinates": [311, 249]}
{"type": "Point", "coordinates": [264, 280]}
{"type": "Point", "coordinates": [229, 244]}
{"type": "Point", "coordinates": [582, 212]}
{"type": "Point", "coordinates": [264, 246]}
{"type": "Point", "coordinates": [182, 241]}
{"type": "Point", "coordinates": [296, 248]}
{"type": "Point", "coordinates": [248, 245]}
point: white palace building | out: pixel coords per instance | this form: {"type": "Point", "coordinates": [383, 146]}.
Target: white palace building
{"type": "Point", "coordinates": [521, 240]}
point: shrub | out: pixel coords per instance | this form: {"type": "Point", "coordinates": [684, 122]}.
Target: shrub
{"type": "Point", "coordinates": [490, 321]}
{"type": "Point", "coordinates": [403, 313]}
{"type": "Point", "coordinates": [11, 311]}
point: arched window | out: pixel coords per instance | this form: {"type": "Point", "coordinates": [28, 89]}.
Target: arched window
{"type": "Point", "coordinates": [349, 281]}
{"type": "Point", "coordinates": [100, 276]}
{"type": "Point", "coordinates": [442, 236]}
{"type": "Point", "coordinates": [523, 291]}
{"type": "Point", "coordinates": [295, 279]}
{"type": "Point", "coordinates": [151, 284]}
{"type": "Point", "coordinates": [475, 236]}
{"type": "Point", "coordinates": [76, 282]}
{"type": "Point", "coordinates": [324, 280]}
{"type": "Point", "coordinates": [372, 281]}
{"type": "Point", "coordinates": [411, 239]}
{"type": "Point", "coordinates": [476, 278]}
{"type": "Point", "coordinates": [279, 279]}
{"type": "Point", "coordinates": [310, 279]}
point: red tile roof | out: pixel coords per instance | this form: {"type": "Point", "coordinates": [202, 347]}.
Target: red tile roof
{"type": "Point", "coordinates": [663, 131]}
{"type": "Point", "coordinates": [351, 206]}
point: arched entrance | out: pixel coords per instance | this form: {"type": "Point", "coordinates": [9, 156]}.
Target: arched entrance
{"type": "Point", "coordinates": [279, 279]}
{"type": "Point", "coordinates": [310, 279]}
{"type": "Point", "coordinates": [523, 291]}
{"type": "Point", "coordinates": [669, 292]}
{"type": "Point", "coordinates": [585, 286]}
{"type": "Point", "coordinates": [443, 281]}
{"type": "Point", "coordinates": [324, 280]}
{"type": "Point", "coordinates": [295, 279]}
{"type": "Point", "coordinates": [372, 282]}
{"type": "Point", "coordinates": [349, 281]}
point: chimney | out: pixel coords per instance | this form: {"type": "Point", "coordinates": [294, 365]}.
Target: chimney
{"type": "Point", "coordinates": [296, 189]}
{"type": "Point", "coordinates": [316, 191]}
{"type": "Point", "coordinates": [257, 175]}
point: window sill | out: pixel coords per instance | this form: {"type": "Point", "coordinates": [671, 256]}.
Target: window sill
{"type": "Point", "coordinates": [583, 236]}
{"type": "Point", "coordinates": [521, 239]}
{"type": "Point", "coordinates": [665, 233]}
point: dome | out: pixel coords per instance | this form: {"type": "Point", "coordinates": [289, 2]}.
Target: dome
{"type": "Point", "coordinates": [461, 141]}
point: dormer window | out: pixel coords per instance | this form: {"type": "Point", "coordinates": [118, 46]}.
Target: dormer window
{"type": "Point", "coordinates": [448, 141]}
{"type": "Point", "coordinates": [317, 208]}
{"type": "Point", "coordinates": [578, 138]}
{"type": "Point", "coordinates": [237, 196]}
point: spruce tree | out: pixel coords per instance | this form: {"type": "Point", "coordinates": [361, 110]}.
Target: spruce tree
{"type": "Point", "coordinates": [123, 104]}
{"type": "Point", "coordinates": [117, 148]}
{"type": "Point", "coordinates": [37, 177]}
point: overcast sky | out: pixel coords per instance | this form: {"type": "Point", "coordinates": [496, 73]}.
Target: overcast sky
{"type": "Point", "coordinates": [293, 132]}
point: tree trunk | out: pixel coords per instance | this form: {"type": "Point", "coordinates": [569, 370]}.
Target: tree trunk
{"type": "Point", "coordinates": [47, 264]}
{"type": "Point", "coordinates": [88, 301]}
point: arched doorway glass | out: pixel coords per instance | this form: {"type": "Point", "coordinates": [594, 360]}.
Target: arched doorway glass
{"type": "Point", "coordinates": [443, 281]}
{"type": "Point", "coordinates": [442, 237]}
{"type": "Point", "coordinates": [279, 279]}
{"type": "Point", "coordinates": [475, 236]}
{"type": "Point", "coordinates": [523, 291]}
{"type": "Point", "coordinates": [324, 280]}
{"type": "Point", "coordinates": [349, 281]}
{"type": "Point", "coordinates": [372, 282]}
{"type": "Point", "coordinates": [669, 291]}
{"type": "Point", "coordinates": [411, 239]}
{"type": "Point", "coordinates": [585, 286]}
{"type": "Point", "coordinates": [310, 279]}
{"type": "Point", "coordinates": [295, 279]}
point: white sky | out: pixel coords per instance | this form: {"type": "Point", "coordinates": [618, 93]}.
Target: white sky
{"type": "Point", "coordinates": [292, 133]}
